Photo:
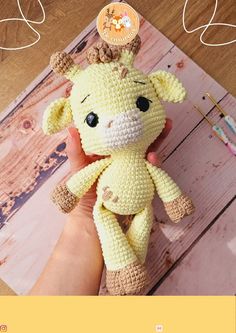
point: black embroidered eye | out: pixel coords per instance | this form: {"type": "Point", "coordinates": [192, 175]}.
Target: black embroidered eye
{"type": "Point", "coordinates": [143, 103]}
{"type": "Point", "coordinates": [92, 119]}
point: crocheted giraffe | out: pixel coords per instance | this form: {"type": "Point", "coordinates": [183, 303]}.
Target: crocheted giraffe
{"type": "Point", "coordinates": [118, 112]}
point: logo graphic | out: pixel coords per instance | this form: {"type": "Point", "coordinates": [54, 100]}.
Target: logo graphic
{"type": "Point", "coordinates": [3, 328]}
{"type": "Point", "coordinates": [159, 328]}
{"type": "Point", "coordinates": [118, 23]}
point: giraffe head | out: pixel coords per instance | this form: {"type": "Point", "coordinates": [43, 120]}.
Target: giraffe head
{"type": "Point", "coordinates": [113, 105]}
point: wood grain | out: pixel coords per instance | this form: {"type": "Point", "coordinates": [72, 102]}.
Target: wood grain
{"type": "Point", "coordinates": [65, 20]}
{"type": "Point", "coordinates": [201, 270]}
{"type": "Point", "coordinates": [27, 241]}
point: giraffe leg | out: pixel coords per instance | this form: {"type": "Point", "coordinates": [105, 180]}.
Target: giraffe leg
{"type": "Point", "coordinates": [139, 232]}
{"type": "Point", "coordinates": [125, 274]}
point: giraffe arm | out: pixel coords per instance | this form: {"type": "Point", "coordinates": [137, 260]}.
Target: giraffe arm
{"type": "Point", "coordinates": [67, 195]}
{"type": "Point", "coordinates": [177, 204]}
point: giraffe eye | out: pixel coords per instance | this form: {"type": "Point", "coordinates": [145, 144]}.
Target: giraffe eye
{"type": "Point", "coordinates": [92, 119]}
{"type": "Point", "coordinates": [143, 103]}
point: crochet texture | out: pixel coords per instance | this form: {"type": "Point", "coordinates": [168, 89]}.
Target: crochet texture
{"type": "Point", "coordinates": [118, 112]}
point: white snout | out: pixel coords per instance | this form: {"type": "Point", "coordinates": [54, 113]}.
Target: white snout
{"type": "Point", "coordinates": [122, 129]}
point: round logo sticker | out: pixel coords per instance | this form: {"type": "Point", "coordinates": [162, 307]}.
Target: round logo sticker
{"type": "Point", "coordinates": [118, 23]}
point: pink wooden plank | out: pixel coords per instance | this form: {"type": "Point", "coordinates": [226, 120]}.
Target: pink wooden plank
{"type": "Point", "coordinates": [27, 241]}
{"type": "Point", "coordinates": [197, 83]}
{"type": "Point", "coordinates": [209, 269]}
{"type": "Point", "coordinates": [204, 169]}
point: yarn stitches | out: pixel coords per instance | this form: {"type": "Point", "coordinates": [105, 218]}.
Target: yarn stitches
{"type": "Point", "coordinates": [118, 113]}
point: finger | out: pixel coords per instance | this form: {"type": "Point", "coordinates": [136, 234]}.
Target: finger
{"type": "Point", "coordinates": [165, 132]}
{"type": "Point", "coordinates": [153, 159]}
{"type": "Point", "coordinates": [74, 150]}
{"type": "Point", "coordinates": [94, 158]}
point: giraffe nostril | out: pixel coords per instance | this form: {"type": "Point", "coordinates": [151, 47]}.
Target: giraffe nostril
{"type": "Point", "coordinates": [110, 123]}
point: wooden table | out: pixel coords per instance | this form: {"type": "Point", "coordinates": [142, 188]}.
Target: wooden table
{"type": "Point", "coordinates": [66, 19]}
{"type": "Point", "coordinates": [181, 258]}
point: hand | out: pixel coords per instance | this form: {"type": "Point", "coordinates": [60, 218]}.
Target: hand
{"type": "Point", "coordinates": [76, 264]}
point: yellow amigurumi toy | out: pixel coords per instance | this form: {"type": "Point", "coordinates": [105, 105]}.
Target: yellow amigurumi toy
{"type": "Point", "coordinates": [118, 113]}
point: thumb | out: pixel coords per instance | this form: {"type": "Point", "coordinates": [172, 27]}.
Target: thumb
{"type": "Point", "coordinates": [152, 157]}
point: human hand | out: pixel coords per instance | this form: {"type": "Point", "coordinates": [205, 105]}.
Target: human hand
{"type": "Point", "coordinates": [76, 264]}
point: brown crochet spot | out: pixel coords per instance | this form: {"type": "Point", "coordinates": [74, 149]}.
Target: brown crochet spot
{"type": "Point", "coordinates": [124, 72]}
{"type": "Point", "coordinates": [115, 199]}
{"type": "Point", "coordinates": [105, 188]}
{"type": "Point", "coordinates": [107, 195]}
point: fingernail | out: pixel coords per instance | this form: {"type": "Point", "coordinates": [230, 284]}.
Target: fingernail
{"type": "Point", "coordinates": [153, 159]}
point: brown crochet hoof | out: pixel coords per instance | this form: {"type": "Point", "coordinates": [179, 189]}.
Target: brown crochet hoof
{"type": "Point", "coordinates": [178, 208]}
{"type": "Point", "coordinates": [64, 199]}
{"type": "Point", "coordinates": [130, 280]}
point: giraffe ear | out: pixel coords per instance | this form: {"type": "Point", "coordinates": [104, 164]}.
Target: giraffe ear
{"type": "Point", "coordinates": [57, 116]}
{"type": "Point", "coordinates": [168, 87]}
